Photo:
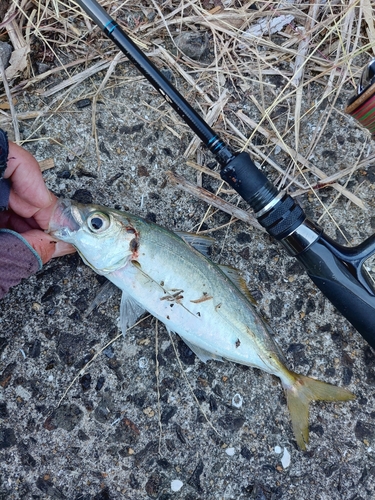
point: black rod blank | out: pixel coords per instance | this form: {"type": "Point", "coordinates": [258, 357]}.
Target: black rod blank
{"type": "Point", "coordinates": [197, 124]}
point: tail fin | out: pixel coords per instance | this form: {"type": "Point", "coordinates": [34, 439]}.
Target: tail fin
{"type": "Point", "coordinates": [300, 393]}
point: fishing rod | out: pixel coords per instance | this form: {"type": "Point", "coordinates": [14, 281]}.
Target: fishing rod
{"type": "Point", "coordinates": [338, 271]}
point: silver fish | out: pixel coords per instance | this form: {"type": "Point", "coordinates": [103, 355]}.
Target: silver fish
{"type": "Point", "coordinates": [160, 272]}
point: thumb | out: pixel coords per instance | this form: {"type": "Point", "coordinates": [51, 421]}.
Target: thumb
{"type": "Point", "coordinates": [29, 192]}
{"type": "Point", "coordinates": [46, 246]}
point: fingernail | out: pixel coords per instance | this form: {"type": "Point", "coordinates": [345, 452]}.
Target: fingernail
{"type": "Point", "coordinates": [50, 195]}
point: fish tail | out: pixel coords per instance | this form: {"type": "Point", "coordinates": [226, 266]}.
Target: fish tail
{"type": "Point", "coordinates": [300, 391]}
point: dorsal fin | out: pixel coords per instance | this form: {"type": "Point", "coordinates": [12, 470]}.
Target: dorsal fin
{"type": "Point", "coordinates": [202, 244]}
{"type": "Point", "coordinates": [237, 279]}
{"type": "Point", "coordinates": [197, 241]}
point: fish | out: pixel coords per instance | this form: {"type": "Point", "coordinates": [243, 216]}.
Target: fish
{"type": "Point", "coordinates": [170, 275]}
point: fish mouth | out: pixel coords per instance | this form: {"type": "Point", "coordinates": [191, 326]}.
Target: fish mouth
{"type": "Point", "coordinates": [66, 220]}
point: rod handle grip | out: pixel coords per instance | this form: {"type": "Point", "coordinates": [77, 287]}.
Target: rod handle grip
{"type": "Point", "coordinates": [341, 287]}
{"type": "Point", "coordinates": [277, 212]}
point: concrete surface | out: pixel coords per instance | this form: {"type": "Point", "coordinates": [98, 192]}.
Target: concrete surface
{"type": "Point", "coordinates": [106, 440]}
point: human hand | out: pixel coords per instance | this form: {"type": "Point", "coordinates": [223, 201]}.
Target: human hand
{"type": "Point", "coordinates": [30, 205]}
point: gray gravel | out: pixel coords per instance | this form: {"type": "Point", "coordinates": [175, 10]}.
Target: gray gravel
{"type": "Point", "coordinates": [106, 439]}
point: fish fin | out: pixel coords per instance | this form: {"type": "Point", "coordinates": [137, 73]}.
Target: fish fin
{"type": "Point", "coordinates": [300, 393]}
{"type": "Point", "coordinates": [235, 277]}
{"type": "Point", "coordinates": [197, 241]}
{"type": "Point", "coordinates": [105, 293]}
{"type": "Point", "coordinates": [130, 311]}
{"type": "Point", "coordinates": [202, 354]}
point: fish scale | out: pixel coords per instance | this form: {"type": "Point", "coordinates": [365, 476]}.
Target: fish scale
{"type": "Point", "coordinates": [159, 272]}
{"type": "Point", "coordinates": [176, 266]}
{"type": "Point", "coordinates": [205, 324]}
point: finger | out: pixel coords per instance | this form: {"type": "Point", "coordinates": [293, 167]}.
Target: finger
{"type": "Point", "coordinates": [29, 192]}
{"type": "Point", "coordinates": [46, 246]}
{"type": "Point", "coordinates": [43, 216]}
{"type": "Point", "coordinates": [10, 220]}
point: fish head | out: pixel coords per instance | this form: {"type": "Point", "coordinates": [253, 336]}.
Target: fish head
{"type": "Point", "coordinates": [106, 239]}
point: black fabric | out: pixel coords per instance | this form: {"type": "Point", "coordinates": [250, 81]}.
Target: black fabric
{"type": "Point", "coordinates": [4, 194]}
{"type": "Point", "coordinates": [4, 183]}
{"type": "Point", "coordinates": [4, 152]}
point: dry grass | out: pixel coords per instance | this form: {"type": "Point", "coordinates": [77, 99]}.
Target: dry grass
{"type": "Point", "coordinates": [270, 69]}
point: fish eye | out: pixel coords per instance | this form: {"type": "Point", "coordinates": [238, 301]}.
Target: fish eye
{"type": "Point", "coordinates": [98, 222]}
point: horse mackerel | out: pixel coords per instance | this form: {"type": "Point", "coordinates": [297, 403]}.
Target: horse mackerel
{"type": "Point", "coordinates": [205, 304]}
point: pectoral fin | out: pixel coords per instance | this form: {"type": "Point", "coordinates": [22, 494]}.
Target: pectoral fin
{"type": "Point", "coordinates": [130, 311]}
{"type": "Point", "coordinates": [104, 294]}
